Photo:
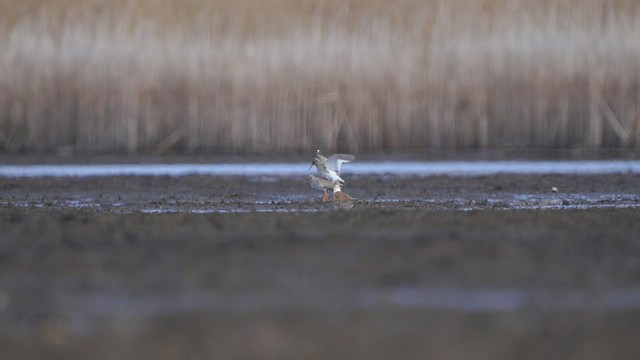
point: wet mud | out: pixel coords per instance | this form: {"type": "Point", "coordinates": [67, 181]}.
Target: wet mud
{"type": "Point", "coordinates": [493, 267]}
{"type": "Point", "coordinates": [165, 194]}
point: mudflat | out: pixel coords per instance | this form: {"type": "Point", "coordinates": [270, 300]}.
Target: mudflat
{"type": "Point", "coordinates": [493, 267]}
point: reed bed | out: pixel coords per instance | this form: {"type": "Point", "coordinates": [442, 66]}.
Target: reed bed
{"type": "Point", "coordinates": [246, 76]}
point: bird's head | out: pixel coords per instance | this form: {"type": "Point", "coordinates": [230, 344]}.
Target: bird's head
{"type": "Point", "coordinates": [315, 161]}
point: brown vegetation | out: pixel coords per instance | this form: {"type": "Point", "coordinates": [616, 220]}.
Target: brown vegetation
{"type": "Point", "coordinates": [290, 75]}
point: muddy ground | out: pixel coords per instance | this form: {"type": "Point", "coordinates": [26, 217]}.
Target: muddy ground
{"type": "Point", "coordinates": [492, 267]}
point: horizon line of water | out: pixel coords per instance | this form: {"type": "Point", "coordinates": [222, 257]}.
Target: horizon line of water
{"type": "Point", "coordinates": [406, 168]}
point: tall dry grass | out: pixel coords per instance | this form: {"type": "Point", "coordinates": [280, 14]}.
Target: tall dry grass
{"type": "Point", "coordinates": [291, 75]}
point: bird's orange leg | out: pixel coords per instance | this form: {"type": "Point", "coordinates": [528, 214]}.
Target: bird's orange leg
{"type": "Point", "coordinates": [325, 198]}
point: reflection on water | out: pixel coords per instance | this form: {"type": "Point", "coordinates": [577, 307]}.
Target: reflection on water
{"type": "Point", "coordinates": [454, 168]}
{"type": "Point", "coordinates": [78, 310]}
{"type": "Point", "coordinates": [484, 300]}
{"type": "Point", "coordinates": [81, 309]}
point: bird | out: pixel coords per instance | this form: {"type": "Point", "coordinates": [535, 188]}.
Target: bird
{"type": "Point", "coordinates": [329, 167]}
{"type": "Point", "coordinates": [321, 184]}
{"type": "Point", "coordinates": [341, 199]}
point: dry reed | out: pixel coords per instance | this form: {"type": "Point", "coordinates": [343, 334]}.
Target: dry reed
{"type": "Point", "coordinates": [296, 75]}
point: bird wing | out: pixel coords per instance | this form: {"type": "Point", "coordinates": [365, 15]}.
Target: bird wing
{"type": "Point", "coordinates": [332, 176]}
{"type": "Point", "coordinates": [329, 174]}
{"type": "Point", "coordinates": [334, 162]}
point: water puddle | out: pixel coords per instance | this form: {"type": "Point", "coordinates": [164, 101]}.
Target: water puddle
{"type": "Point", "coordinates": [274, 170]}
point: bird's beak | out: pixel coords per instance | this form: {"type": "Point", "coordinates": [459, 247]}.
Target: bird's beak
{"type": "Point", "coordinates": [310, 166]}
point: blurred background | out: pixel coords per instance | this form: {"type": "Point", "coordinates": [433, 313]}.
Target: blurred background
{"type": "Point", "coordinates": [285, 76]}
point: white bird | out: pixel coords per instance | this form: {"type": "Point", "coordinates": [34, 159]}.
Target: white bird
{"type": "Point", "coordinates": [329, 168]}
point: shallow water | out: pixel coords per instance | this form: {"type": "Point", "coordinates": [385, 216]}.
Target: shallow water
{"type": "Point", "coordinates": [405, 168]}
{"type": "Point", "coordinates": [137, 259]}
{"type": "Point", "coordinates": [78, 312]}
{"type": "Point", "coordinates": [72, 275]}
